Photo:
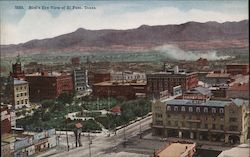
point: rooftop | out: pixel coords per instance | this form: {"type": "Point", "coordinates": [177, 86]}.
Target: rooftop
{"type": "Point", "coordinates": [239, 87]}
{"type": "Point", "coordinates": [218, 75]}
{"type": "Point", "coordinates": [214, 103]}
{"type": "Point", "coordinates": [19, 82]}
{"type": "Point", "coordinates": [175, 150]}
{"type": "Point", "coordinates": [201, 90]}
{"type": "Point", "coordinates": [120, 83]}
{"type": "Point", "coordinates": [239, 151]}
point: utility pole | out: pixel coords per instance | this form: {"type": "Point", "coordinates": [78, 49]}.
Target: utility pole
{"type": "Point", "coordinates": [124, 136]}
{"type": "Point", "coordinates": [90, 142]}
{"type": "Point", "coordinates": [67, 135]}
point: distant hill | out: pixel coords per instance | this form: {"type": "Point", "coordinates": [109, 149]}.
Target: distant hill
{"type": "Point", "coordinates": [190, 35]}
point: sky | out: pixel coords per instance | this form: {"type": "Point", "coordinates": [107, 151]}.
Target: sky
{"type": "Point", "coordinates": [22, 25]}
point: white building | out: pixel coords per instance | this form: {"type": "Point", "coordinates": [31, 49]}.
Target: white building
{"type": "Point", "coordinates": [21, 94]}
{"type": "Point", "coordinates": [80, 79]}
{"type": "Point", "coordinates": [127, 76]}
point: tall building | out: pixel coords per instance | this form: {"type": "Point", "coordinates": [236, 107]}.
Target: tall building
{"type": "Point", "coordinates": [21, 94]}
{"type": "Point", "coordinates": [17, 71]}
{"type": "Point", "coordinates": [162, 81]}
{"type": "Point", "coordinates": [222, 121]}
{"type": "Point", "coordinates": [80, 79]}
{"type": "Point", "coordinates": [46, 85]}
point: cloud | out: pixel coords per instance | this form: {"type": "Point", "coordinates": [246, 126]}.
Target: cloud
{"type": "Point", "coordinates": [39, 24]}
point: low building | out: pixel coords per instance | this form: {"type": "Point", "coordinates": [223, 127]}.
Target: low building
{"type": "Point", "coordinates": [46, 85]}
{"type": "Point", "coordinates": [176, 149]}
{"type": "Point", "coordinates": [21, 94]}
{"type": "Point", "coordinates": [198, 93]}
{"type": "Point", "coordinates": [238, 90]}
{"type": "Point", "coordinates": [127, 76]}
{"type": "Point", "coordinates": [213, 120]}
{"type": "Point", "coordinates": [235, 69]}
{"type": "Point", "coordinates": [214, 79]}
{"type": "Point", "coordinates": [128, 90]}
{"type": "Point", "coordinates": [162, 81]}
{"type": "Point", "coordinates": [80, 79]}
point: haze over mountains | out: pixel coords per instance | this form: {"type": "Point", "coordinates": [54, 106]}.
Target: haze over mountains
{"type": "Point", "coordinates": [187, 36]}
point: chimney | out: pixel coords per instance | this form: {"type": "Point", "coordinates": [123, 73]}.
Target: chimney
{"type": "Point", "coordinates": [176, 69]}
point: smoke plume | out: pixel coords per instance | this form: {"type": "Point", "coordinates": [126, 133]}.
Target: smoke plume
{"type": "Point", "coordinates": [173, 52]}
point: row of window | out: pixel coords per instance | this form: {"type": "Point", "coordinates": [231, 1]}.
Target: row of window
{"type": "Point", "coordinates": [189, 117]}
{"type": "Point", "coordinates": [22, 102]}
{"type": "Point", "coordinates": [191, 109]}
{"type": "Point", "coordinates": [21, 94]}
{"type": "Point", "coordinates": [21, 88]}
{"type": "Point", "coordinates": [198, 125]}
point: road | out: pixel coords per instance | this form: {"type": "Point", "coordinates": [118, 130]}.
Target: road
{"type": "Point", "coordinates": [100, 144]}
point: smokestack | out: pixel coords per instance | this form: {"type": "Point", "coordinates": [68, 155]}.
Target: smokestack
{"type": "Point", "coordinates": [176, 69]}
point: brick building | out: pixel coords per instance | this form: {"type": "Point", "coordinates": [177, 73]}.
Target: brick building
{"type": "Point", "coordinates": [75, 61]}
{"type": "Point", "coordinates": [213, 120]}
{"type": "Point", "coordinates": [162, 81]}
{"type": "Point", "coordinates": [128, 90]}
{"type": "Point", "coordinates": [238, 90]}
{"type": "Point", "coordinates": [235, 69]}
{"type": "Point", "coordinates": [17, 71]}
{"type": "Point", "coordinates": [48, 85]}
{"type": "Point", "coordinates": [5, 120]}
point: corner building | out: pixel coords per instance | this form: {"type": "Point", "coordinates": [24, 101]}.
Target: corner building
{"type": "Point", "coordinates": [221, 121]}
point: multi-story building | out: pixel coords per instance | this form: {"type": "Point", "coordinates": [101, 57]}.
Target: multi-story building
{"type": "Point", "coordinates": [46, 85]}
{"type": "Point", "coordinates": [75, 61]}
{"type": "Point", "coordinates": [162, 81]}
{"type": "Point", "coordinates": [21, 94]}
{"type": "Point", "coordinates": [235, 69]}
{"type": "Point", "coordinates": [215, 79]}
{"type": "Point", "coordinates": [80, 79]}
{"type": "Point", "coordinates": [128, 90]}
{"type": "Point", "coordinates": [5, 120]}
{"type": "Point", "coordinates": [225, 121]}
{"type": "Point", "coordinates": [17, 71]}
{"type": "Point", "coordinates": [127, 76]}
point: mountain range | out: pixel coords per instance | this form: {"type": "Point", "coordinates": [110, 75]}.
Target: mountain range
{"type": "Point", "coordinates": [188, 36]}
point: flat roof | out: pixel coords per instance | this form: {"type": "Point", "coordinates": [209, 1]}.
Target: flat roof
{"type": "Point", "coordinates": [175, 150]}
{"type": "Point", "coordinates": [19, 82]}
{"type": "Point", "coordinates": [125, 83]}
{"type": "Point", "coordinates": [215, 103]}
{"type": "Point", "coordinates": [218, 75]}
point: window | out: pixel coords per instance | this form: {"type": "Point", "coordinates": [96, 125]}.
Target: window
{"type": "Point", "coordinates": [26, 101]}
{"type": "Point", "coordinates": [190, 109]}
{"type": "Point", "coordinates": [169, 108]}
{"type": "Point", "coordinates": [17, 88]}
{"type": "Point", "coordinates": [158, 115]}
{"type": "Point", "coordinates": [21, 94]}
{"type": "Point", "coordinates": [205, 118]}
{"type": "Point", "coordinates": [232, 119]}
{"type": "Point", "coordinates": [21, 88]}
{"type": "Point", "coordinates": [233, 128]}
{"type": "Point", "coordinates": [198, 125]}
{"type": "Point", "coordinates": [221, 110]}
{"type": "Point", "coordinates": [198, 109]}
{"type": "Point", "coordinates": [17, 95]}
{"type": "Point", "coordinates": [22, 101]}
{"type": "Point", "coordinates": [206, 126]}
{"type": "Point", "coordinates": [183, 108]}
{"type": "Point", "coordinates": [169, 116]}
{"type": "Point", "coordinates": [25, 94]}
{"type": "Point", "coordinates": [183, 124]}
{"type": "Point", "coordinates": [17, 102]}
{"type": "Point", "coordinates": [213, 110]}
{"type": "Point", "coordinates": [222, 127]}
{"type": "Point", "coordinates": [176, 123]}
{"type": "Point", "coordinates": [205, 109]}
{"type": "Point", "coordinates": [176, 108]}
{"type": "Point", "coordinates": [214, 118]}
{"type": "Point", "coordinates": [169, 123]}
{"type": "Point", "coordinates": [213, 126]}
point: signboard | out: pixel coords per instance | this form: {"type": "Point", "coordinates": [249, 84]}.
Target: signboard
{"type": "Point", "coordinates": [21, 144]}
{"type": "Point", "coordinates": [39, 136]}
{"type": "Point", "coordinates": [164, 94]}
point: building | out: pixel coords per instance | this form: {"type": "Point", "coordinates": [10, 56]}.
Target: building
{"type": "Point", "coordinates": [202, 62]}
{"type": "Point", "coordinates": [213, 120]}
{"type": "Point", "coordinates": [5, 120]}
{"type": "Point", "coordinates": [238, 151]}
{"type": "Point", "coordinates": [197, 93]}
{"type": "Point", "coordinates": [75, 61]}
{"type": "Point", "coordinates": [214, 79]}
{"type": "Point", "coordinates": [128, 90]}
{"type": "Point", "coordinates": [17, 71]}
{"type": "Point", "coordinates": [162, 81]}
{"type": "Point", "coordinates": [176, 149]}
{"type": "Point", "coordinates": [21, 94]}
{"type": "Point", "coordinates": [46, 85]}
{"type": "Point", "coordinates": [235, 69]}
{"type": "Point", "coordinates": [127, 76]}
{"type": "Point", "coordinates": [80, 79]}
{"type": "Point", "coordinates": [238, 90]}
{"type": "Point", "coordinates": [101, 76]}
